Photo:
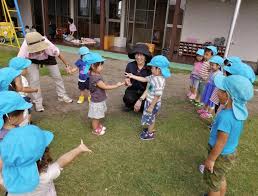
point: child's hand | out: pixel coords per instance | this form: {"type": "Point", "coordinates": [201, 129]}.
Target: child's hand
{"type": "Point", "coordinates": [209, 164]}
{"type": "Point", "coordinates": [120, 84]}
{"type": "Point", "coordinates": [84, 148]}
{"type": "Point", "coordinates": [128, 82]}
{"type": "Point", "coordinates": [150, 109]}
{"type": "Point", "coordinates": [35, 90]}
{"type": "Point", "coordinates": [128, 75]}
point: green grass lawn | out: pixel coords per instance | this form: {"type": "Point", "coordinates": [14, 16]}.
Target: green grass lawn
{"type": "Point", "coordinates": [122, 164]}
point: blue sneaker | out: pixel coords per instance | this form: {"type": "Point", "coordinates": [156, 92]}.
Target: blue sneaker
{"type": "Point", "coordinates": [147, 136]}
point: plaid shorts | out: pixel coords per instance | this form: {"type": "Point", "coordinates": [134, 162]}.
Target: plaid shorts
{"type": "Point", "coordinates": [222, 166]}
{"type": "Point", "coordinates": [149, 118]}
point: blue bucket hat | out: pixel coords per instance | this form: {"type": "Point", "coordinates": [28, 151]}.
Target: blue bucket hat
{"type": "Point", "coordinates": [20, 149]}
{"type": "Point", "coordinates": [200, 52]}
{"type": "Point", "coordinates": [242, 69]}
{"type": "Point", "coordinates": [234, 59]}
{"type": "Point", "coordinates": [240, 90]}
{"type": "Point", "coordinates": [83, 50]}
{"type": "Point", "coordinates": [90, 59]}
{"type": "Point", "coordinates": [10, 102]}
{"type": "Point", "coordinates": [161, 62]}
{"type": "Point", "coordinates": [19, 63]}
{"type": "Point", "coordinates": [213, 49]}
{"type": "Point", "coordinates": [217, 59]}
{"type": "Point", "coordinates": [7, 75]}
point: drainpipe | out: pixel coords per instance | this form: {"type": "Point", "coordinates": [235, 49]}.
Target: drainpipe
{"type": "Point", "coordinates": [232, 27]}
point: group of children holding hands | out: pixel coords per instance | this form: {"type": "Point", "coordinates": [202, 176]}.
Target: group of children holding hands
{"type": "Point", "coordinates": [26, 164]}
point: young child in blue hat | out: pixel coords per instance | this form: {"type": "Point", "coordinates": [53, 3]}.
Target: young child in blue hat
{"type": "Point", "coordinates": [156, 84]}
{"type": "Point", "coordinates": [22, 64]}
{"type": "Point", "coordinates": [83, 80]}
{"type": "Point", "coordinates": [207, 111]}
{"type": "Point", "coordinates": [205, 71]}
{"type": "Point", "coordinates": [10, 76]}
{"type": "Point", "coordinates": [234, 92]}
{"type": "Point", "coordinates": [28, 168]}
{"type": "Point", "coordinates": [97, 86]}
{"type": "Point", "coordinates": [195, 74]}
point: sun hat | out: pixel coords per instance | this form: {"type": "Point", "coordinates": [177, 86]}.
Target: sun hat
{"type": "Point", "coordinates": [242, 69]}
{"type": "Point", "coordinates": [240, 90]}
{"type": "Point", "coordinates": [20, 149]}
{"type": "Point", "coordinates": [7, 75]}
{"type": "Point", "coordinates": [90, 59]}
{"type": "Point", "coordinates": [83, 50]}
{"type": "Point", "coordinates": [36, 42]}
{"type": "Point", "coordinates": [217, 60]}
{"type": "Point", "coordinates": [200, 52]}
{"type": "Point", "coordinates": [19, 63]}
{"type": "Point", "coordinates": [233, 59]}
{"type": "Point", "coordinates": [213, 49]}
{"type": "Point", "coordinates": [161, 62]}
{"type": "Point", "coordinates": [140, 48]}
{"type": "Point", "coordinates": [10, 102]}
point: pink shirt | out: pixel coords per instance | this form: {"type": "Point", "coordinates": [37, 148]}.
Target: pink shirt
{"type": "Point", "coordinates": [197, 68]}
{"type": "Point", "coordinates": [52, 50]}
{"type": "Point", "coordinates": [72, 27]}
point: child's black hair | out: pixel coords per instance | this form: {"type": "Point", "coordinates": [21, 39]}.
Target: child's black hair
{"type": "Point", "coordinates": [208, 50]}
{"type": "Point", "coordinates": [14, 113]}
{"type": "Point", "coordinates": [70, 20]}
{"type": "Point", "coordinates": [95, 65]}
{"type": "Point", "coordinates": [27, 27]}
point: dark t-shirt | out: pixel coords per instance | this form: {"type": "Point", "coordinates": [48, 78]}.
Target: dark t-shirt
{"type": "Point", "coordinates": [97, 94]}
{"type": "Point", "coordinates": [144, 72]}
{"type": "Point", "coordinates": [81, 66]}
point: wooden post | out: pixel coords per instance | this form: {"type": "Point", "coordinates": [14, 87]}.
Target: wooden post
{"type": "Point", "coordinates": [174, 28]}
{"type": "Point", "coordinates": [102, 23]}
{"type": "Point", "coordinates": [45, 16]}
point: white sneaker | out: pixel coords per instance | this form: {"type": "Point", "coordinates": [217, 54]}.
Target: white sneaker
{"type": "Point", "coordinates": [65, 99]}
{"type": "Point", "coordinates": [39, 108]}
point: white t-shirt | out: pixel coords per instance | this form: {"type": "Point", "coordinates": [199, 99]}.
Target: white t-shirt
{"type": "Point", "coordinates": [46, 185]}
{"type": "Point", "coordinates": [24, 84]}
{"type": "Point", "coordinates": [155, 87]}
{"type": "Point", "coordinates": [72, 27]}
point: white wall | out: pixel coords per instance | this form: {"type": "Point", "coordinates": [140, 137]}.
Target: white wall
{"type": "Point", "coordinates": [208, 19]}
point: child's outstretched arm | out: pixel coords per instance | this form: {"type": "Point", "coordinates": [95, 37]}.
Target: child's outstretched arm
{"type": "Point", "coordinates": [104, 86]}
{"type": "Point", "coordinates": [71, 155]}
{"type": "Point", "coordinates": [29, 90]}
{"type": "Point", "coordinates": [216, 150]}
{"type": "Point", "coordinates": [139, 78]}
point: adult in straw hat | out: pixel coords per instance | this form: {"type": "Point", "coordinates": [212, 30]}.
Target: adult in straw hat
{"type": "Point", "coordinates": [141, 55]}
{"type": "Point", "coordinates": [42, 52]}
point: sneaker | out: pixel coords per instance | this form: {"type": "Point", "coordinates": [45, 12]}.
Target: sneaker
{"type": "Point", "coordinates": [147, 136]}
{"type": "Point", "coordinates": [192, 96]}
{"type": "Point", "coordinates": [65, 99]}
{"type": "Point", "coordinates": [80, 100]}
{"type": "Point", "coordinates": [89, 98]}
{"type": "Point", "coordinates": [200, 111]}
{"type": "Point", "coordinates": [39, 108]}
{"type": "Point", "coordinates": [99, 131]}
{"type": "Point", "coordinates": [103, 128]}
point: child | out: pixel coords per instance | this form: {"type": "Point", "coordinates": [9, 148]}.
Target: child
{"type": "Point", "coordinates": [209, 51]}
{"type": "Point", "coordinates": [83, 81]}
{"type": "Point", "coordinates": [98, 87]}
{"type": "Point", "coordinates": [234, 92]}
{"type": "Point", "coordinates": [19, 63]}
{"type": "Point", "coordinates": [27, 165]}
{"type": "Point", "coordinates": [12, 107]}
{"type": "Point", "coordinates": [9, 76]}
{"type": "Point", "coordinates": [72, 27]}
{"type": "Point", "coordinates": [156, 83]}
{"type": "Point", "coordinates": [207, 111]}
{"type": "Point", "coordinates": [194, 77]}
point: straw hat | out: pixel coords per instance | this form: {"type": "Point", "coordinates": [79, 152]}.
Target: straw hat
{"type": "Point", "coordinates": [36, 42]}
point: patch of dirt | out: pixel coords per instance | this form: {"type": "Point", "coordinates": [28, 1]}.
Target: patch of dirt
{"type": "Point", "coordinates": [176, 88]}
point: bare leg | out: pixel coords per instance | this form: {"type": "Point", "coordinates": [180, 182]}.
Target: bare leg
{"type": "Point", "coordinates": [95, 123]}
{"type": "Point", "coordinates": [223, 188]}
{"type": "Point", "coordinates": [82, 93]}
{"type": "Point", "coordinates": [151, 128]}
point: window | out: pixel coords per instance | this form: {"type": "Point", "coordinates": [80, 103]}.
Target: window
{"type": "Point", "coordinates": [84, 8]}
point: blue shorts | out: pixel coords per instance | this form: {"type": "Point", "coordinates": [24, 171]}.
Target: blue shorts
{"type": "Point", "coordinates": [149, 118]}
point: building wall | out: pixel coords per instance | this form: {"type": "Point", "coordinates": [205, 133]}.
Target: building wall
{"type": "Point", "coordinates": [205, 20]}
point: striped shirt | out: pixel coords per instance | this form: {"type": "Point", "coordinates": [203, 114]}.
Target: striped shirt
{"type": "Point", "coordinates": [155, 87]}
{"type": "Point", "coordinates": [205, 71]}
{"type": "Point", "coordinates": [214, 96]}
